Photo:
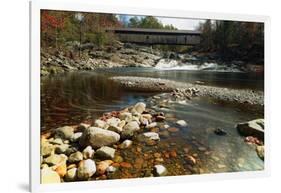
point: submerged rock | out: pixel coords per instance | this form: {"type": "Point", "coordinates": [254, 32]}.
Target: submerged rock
{"type": "Point", "coordinates": [220, 132]}
{"type": "Point", "coordinates": [97, 137]}
{"type": "Point", "coordinates": [126, 144]}
{"type": "Point", "coordinates": [126, 116]}
{"type": "Point", "coordinates": [181, 123]}
{"type": "Point", "coordinates": [86, 169]}
{"type": "Point", "coordinates": [100, 123]}
{"type": "Point", "coordinates": [151, 136]}
{"type": "Point", "coordinates": [55, 159]}
{"type": "Point", "coordinates": [103, 165]}
{"type": "Point", "coordinates": [105, 153]}
{"type": "Point", "coordinates": [252, 128]}
{"type": "Point", "coordinates": [160, 170]}
{"type": "Point", "coordinates": [47, 149]}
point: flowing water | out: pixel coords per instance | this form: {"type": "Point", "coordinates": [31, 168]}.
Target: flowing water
{"type": "Point", "coordinates": [71, 98]}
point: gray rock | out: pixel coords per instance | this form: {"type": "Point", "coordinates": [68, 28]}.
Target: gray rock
{"type": "Point", "coordinates": [100, 123]}
{"type": "Point", "coordinates": [97, 137]}
{"type": "Point", "coordinates": [75, 157]}
{"type": "Point", "coordinates": [252, 128]}
{"type": "Point", "coordinates": [151, 125]}
{"type": "Point", "coordinates": [86, 169]}
{"type": "Point", "coordinates": [64, 132]}
{"type": "Point", "coordinates": [47, 149]}
{"type": "Point", "coordinates": [151, 136]}
{"type": "Point", "coordinates": [61, 148]}
{"type": "Point", "coordinates": [181, 123]}
{"type": "Point", "coordinates": [56, 141]}
{"type": "Point", "coordinates": [160, 170]}
{"type": "Point", "coordinates": [105, 153]}
{"type": "Point", "coordinates": [126, 116]}
{"type": "Point", "coordinates": [88, 152]}
{"type": "Point", "coordinates": [75, 137]}
{"type": "Point", "coordinates": [131, 126]}
{"type": "Point", "coordinates": [113, 121]}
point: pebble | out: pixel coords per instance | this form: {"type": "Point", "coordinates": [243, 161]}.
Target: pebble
{"type": "Point", "coordinates": [181, 123]}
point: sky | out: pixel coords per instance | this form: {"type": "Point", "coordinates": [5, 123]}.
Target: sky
{"type": "Point", "coordinates": [179, 23]}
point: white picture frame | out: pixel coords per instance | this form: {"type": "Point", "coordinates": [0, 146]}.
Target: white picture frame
{"type": "Point", "coordinates": [36, 6]}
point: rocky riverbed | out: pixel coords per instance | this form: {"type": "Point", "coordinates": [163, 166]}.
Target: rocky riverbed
{"type": "Point", "coordinates": [242, 96]}
{"type": "Point", "coordinates": [128, 144]}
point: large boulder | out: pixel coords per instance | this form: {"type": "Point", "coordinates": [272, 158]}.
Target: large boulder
{"type": "Point", "coordinates": [252, 128]}
{"type": "Point", "coordinates": [97, 137]}
{"type": "Point", "coordinates": [86, 169]}
{"type": "Point", "coordinates": [48, 176]}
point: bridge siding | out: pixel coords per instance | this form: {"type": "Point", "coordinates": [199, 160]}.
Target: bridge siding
{"type": "Point", "coordinates": [172, 37]}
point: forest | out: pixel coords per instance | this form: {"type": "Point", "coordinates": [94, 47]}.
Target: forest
{"type": "Point", "coordinates": [228, 40]}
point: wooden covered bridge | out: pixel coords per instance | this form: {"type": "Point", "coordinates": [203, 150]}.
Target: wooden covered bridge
{"type": "Point", "coordinates": [157, 36]}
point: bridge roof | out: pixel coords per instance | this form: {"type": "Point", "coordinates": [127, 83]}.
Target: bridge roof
{"type": "Point", "coordinates": [154, 31]}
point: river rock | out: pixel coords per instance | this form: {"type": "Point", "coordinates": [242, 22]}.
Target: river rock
{"type": "Point", "coordinates": [97, 137]}
{"type": "Point", "coordinates": [116, 129]}
{"type": "Point", "coordinates": [252, 128]}
{"type": "Point", "coordinates": [151, 125]}
{"type": "Point", "coordinates": [111, 169]}
{"type": "Point", "coordinates": [103, 165]}
{"type": "Point", "coordinates": [126, 144]}
{"type": "Point", "coordinates": [75, 137]}
{"type": "Point", "coordinates": [151, 136]}
{"type": "Point", "coordinates": [86, 169]}
{"type": "Point", "coordinates": [182, 123]}
{"type": "Point", "coordinates": [190, 159]}
{"type": "Point", "coordinates": [48, 176]}
{"type": "Point", "coordinates": [160, 170]}
{"type": "Point", "coordinates": [61, 169]}
{"type": "Point", "coordinates": [56, 141]}
{"type": "Point", "coordinates": [61, 148]}
{"type": "Point", "coordinates": [126, 116]}
{"type": "Point", "coordinates": [71, 175]}
{"type": "Point", "coordinates": [88, 152]}
{"type": "Point", "coordinates": [47, 149]}
{"type": "Point", "coordinates": [260, 151]}
{"type": "Point", "coordinates": [140, 107]}
{"type": "Point", "coordinates": [220, 132]}
{"type": "Point", "coordinates": [100, 123]}
{"type": "Point", "coordinates": [64, 132]}
{"type": "Point", "coordinates": [105, 153]}
{"type": "Point", "coordinates": [55, 159]}
{"type": "Point", "coordinates": [75, 157]}
{"type": "Point", "coordinates": [113, 121]}
{"type": "Point", "coordinates": [129, 129]}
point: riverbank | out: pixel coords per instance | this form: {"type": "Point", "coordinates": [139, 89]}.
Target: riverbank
{"type": "Point", "coordinates": [89, 57]}
{"type": "Point", "coordinates": [241, 96]}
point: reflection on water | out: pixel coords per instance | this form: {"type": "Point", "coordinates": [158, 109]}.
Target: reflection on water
{"type": "Point", "coordinates": [74, 97]}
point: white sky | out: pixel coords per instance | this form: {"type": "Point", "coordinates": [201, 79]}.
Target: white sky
{"type": "Point", "coordinates": [184, 24]}
{"type": "Point", "coordinates": [179, 23]}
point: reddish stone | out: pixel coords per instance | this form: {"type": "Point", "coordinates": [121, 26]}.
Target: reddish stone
{"type": "Point", "coordinates": [173, 153]}
{"type": "Point", "coordinates": [125, 165]}
{"type": "Point", "coordinates": [173, 129]}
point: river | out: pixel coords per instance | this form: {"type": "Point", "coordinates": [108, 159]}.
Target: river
{"type": "Point", "coordinates": [74, 97]}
